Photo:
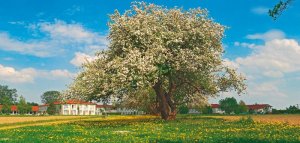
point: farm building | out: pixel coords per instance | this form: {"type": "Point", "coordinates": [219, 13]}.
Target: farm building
{"type": "Point", "coordinates": [216, 109]}
{"type": "Point", "coordinates": [14, 109]}
{"type": "Point", "coordinates": [254, 108]}
{"type": "Point", "coordinates": [260, 108]}
{"type": "Point", "coordinates": [71, 107]}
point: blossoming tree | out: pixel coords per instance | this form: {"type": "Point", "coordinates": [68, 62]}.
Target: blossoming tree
{"type": "Point", "coordinates": [175, 53]}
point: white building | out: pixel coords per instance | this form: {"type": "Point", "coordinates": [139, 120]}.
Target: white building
{"type": "Point", "coordinates": [216, 109]}
{"type": "Point", "coordinates": [72, 107]}
{"type": "Point", "coordinates": [260, 108]}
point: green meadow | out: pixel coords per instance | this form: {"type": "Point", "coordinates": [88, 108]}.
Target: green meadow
{"type": "Point", "coordinates": [152, 129]}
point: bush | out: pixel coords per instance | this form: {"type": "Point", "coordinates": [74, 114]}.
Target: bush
{"type": "Point", "coordinates": [183, 109]}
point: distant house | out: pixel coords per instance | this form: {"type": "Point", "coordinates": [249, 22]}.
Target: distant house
{"type": "Point", "coordinates": [71, 107]}
{"type": "Point", "coordinates": [255, 108]}
{"type": "Point", "coordinates": [34, 110]}
{"type": "Point", "coordinates": [260, 108]}
{"type": "Point", "coordinates": [194, 111]}
{"type": "Point", "coordinates": [216, 109]}
{"type": "Point", "coordinates": [14, 109]}
{"type": "Point", "coordinates": [104, 109]}
{"type": "Point", "coordinates": [43, 109]}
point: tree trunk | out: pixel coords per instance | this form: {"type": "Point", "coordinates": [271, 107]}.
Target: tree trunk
{"type": "Point", "coordinates": [166, 107]}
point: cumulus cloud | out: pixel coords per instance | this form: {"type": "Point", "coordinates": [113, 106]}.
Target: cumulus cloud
{"type": "Point", "coordinates": [81, 58]}
{"type": "Point", "coordinates": [60, 37]}
{"type": "Point", "coordinates": [269, 67]}
{"type": "Point", "coordinates": [9, 74]}
{"type": "Point", "coordinates": [28, 75]}
{"type": "Point", "coordinates": [273, 59]}
{"type": "Point", "coordinates": [268, 36]}
{"type": "Point", "coordinates": [37, 48]}
{"type": "Point", "coordinates": [244, 44]}
{"type": "Point", "coordinates": [61, 73]}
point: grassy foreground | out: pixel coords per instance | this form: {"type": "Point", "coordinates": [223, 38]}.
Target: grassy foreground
{"type": "Point", "coordinates": [151, 129]}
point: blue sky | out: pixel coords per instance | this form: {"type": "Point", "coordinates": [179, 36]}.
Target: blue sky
{"type": "Point", "coordinates": [42, 44]}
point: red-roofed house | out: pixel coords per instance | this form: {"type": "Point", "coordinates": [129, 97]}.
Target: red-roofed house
{"type": "Point", "coordinates": [14, 109]}
{"type": "Point", "coordinates": [35, 109]}
{"type": "Point", "coordinates": [260, 108]}
{"type": "Point", "coordinates": [71, 107]}
{"type": "Point", "coordinates": [216, 109]}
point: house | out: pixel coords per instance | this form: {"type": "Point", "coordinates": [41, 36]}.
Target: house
{"type": "Point", "coordinates": [193, 111]}
{"type": "Point", "coordinates": [43, 109]}
{"type": "Point", "coordinates": [71, 107]}
{"type": "Point", "coordinates": [127, 111]}
{"type": "Point", "coordinates": [103, 109]}
{"type": "Point", "coordinates": [260, 108]}
{"type": "Point", "coordinates": [216, 109]}
{"type": "Point", "coordinates": [34, 110]}
{"type": "Point", "coordinates": [14, 109]}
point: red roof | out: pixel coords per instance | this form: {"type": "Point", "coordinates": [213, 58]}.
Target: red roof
{"type": "Point", "coordinates": [74, 102]}
{"type": "Point", "coordinates": [35, 108]}
{"type": "Point", "coordinates": [258, 106]}
{"type": "Point", "coordinates": [1, 106]}
{"type": "Point", "coordinates": [215, 106]}
{"type": "Point", "coordinates": [104, 106]}
{"type": "Point", "coordinates": [14, 108]}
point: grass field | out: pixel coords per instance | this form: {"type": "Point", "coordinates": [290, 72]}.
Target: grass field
{"type": "Point", "coordinates": [152, 129]}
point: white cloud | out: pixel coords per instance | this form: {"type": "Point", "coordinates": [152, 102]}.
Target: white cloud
{"type": "Point", "coordinates": [243, 44]}
{"type": "Point", "coordinates": [28, 75]}
{"type": "Point", "coordinates": [266, 89]}
{"type": "Point", "coordinates": [10, 74]}
{"type": "Point", "coordinates": [268, 36]}
{"type": "Point", "coordinates": [268, 68]}
{"type": "Point", "coordinates": [62, 73]}
{"type": "Point", "coordinates": [60, 38]}
{"type": "Point", "coordinates": [81, 58]}
{"type": "Point", "coordinates": [37, 48]}
{"type": "Point", "coordinates": [260, 10]}
{"type": "Point", "coordinates": [273, 59]}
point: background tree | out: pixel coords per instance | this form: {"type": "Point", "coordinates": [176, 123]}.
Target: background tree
{"type": "Point", "coordinates": [229, 105]}
{"type": "Point", "coordinates": [183, 109]}
{"type": "Point", "coordinates": [242, 107]}
{"type": "Point", "coordinates": [292, 110]}
{"type": "Point", "coordinates": [175, 53]}
{"type": "Point", "coordinates": [7, 94]}
{"type": "Point", "coordinates": [51, 110]}
{"type": "Point", "coordinates": [6, 105]}
{"type": "Point", "coordinates": [32, 104]}
{"type": "Point", "coordinates": [23, 108]}
{"type": "Point", "coordinates": [206, 109]}
{"type": "Point", "coordinates": [50, 96]}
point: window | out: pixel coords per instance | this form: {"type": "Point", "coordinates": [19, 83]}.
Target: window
{"type": "Point", "coordinates": [66, 107]}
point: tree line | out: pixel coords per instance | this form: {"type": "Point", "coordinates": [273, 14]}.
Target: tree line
{"type": "Point", "coordinates": [9, 97]}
